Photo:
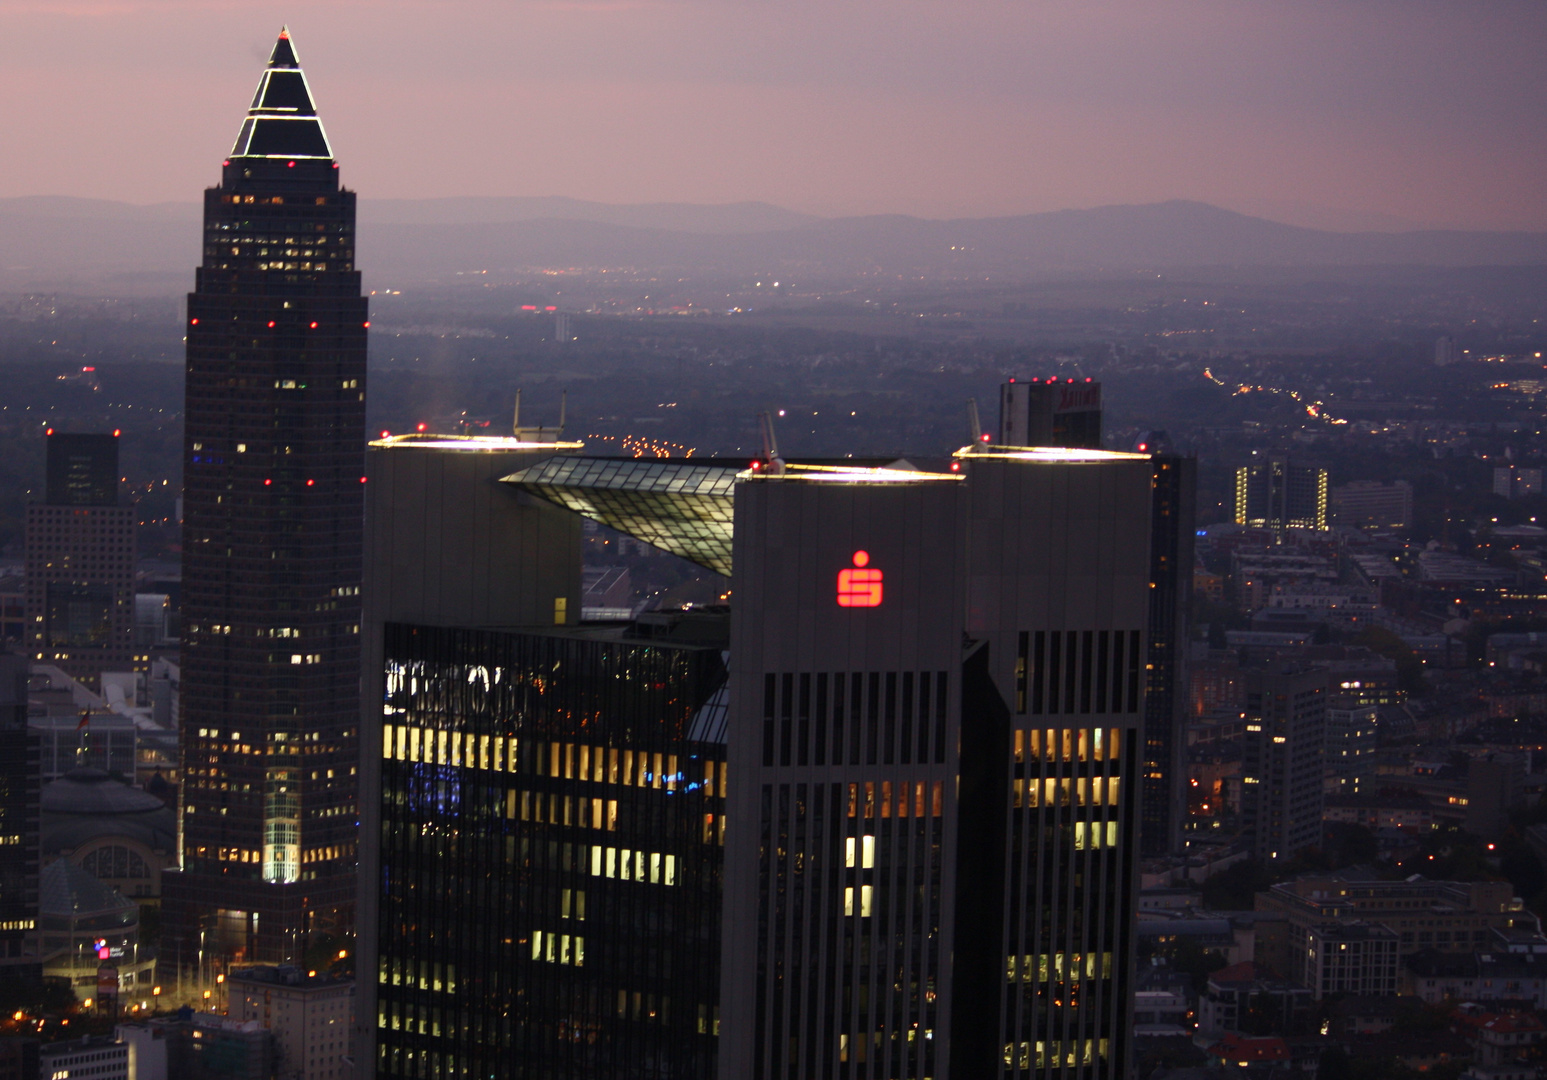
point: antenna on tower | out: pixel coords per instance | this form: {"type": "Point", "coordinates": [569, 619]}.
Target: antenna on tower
{"type": "Point", "coordinates": [974, 425]}
{"type": "Point", "coordinates": [539, 433]}
{"type": "Point", "coordinates": [770, 445]}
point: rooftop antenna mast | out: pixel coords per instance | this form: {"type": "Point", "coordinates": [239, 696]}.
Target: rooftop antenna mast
{"type": "Point", "coordinates": [539, 433]}
{"type": "Point", "coordinates": [974, 425]}
{"type": "Point", "coordinates": [770, 445]}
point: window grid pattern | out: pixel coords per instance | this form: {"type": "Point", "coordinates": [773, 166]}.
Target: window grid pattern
{"type": "Point", "coordinates": [1068, 885]}
{"type": "Point", "coordinates": [851, 874]}
{"type": "Point", "coordinates": [550, 859]}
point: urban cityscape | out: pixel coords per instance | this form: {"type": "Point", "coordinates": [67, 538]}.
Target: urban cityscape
{"type": "Point", "coordinates": [528, 637]}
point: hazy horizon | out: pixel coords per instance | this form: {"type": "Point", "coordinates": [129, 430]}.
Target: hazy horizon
{"type": "Point", "coordinates": [1370, 114]}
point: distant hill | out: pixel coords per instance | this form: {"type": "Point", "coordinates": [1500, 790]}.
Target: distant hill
{"type": "Point", "coordinates": [64, 243]}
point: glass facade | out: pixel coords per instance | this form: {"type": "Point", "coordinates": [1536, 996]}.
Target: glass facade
{"type": "Point", "coordinates": [1165, 700]}
{"type": "Point", "coordinates": [678, 506]}
{"type": "Point", "coordinates": [552, 832]}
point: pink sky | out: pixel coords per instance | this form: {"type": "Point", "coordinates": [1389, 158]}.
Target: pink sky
{"type": "Point", "coordinates": [1325, 111]}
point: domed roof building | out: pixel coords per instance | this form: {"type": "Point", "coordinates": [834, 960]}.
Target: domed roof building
{"type": "Point", "coordinates": [85, 924]}
{"type": "Point", "coordinates": [119, 834]}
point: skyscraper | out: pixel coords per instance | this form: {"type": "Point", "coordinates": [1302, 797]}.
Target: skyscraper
{"type": "Point", "coordinates": [1051, 412]}
{"type": "Point", "coordinates": [1069, 414]}
{"type": "Point", "coordinates": [935, 708]}
{"type": "Point", "coordinates": [1273, 492]}
{"type": "Point", "coordinates": [273, 497]}
{"type": "Point", "coordinates": [80, 561]}
{"type": "Point", "coordinates": [542, 802]}
{"type": "Point", "coordinates": [929, 818]}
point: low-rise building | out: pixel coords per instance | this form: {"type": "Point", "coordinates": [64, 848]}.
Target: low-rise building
{"type": "Point", "coordinates": [1235, 994]}
{"type": "Point", "coordinates": [96, 1057]}
{"type": "Point", "coordinates": [1449, 916]}
{"type": "Point", "coordinates": [310, 1016]}
{"type": "Point", "coordinates": [1347, 957]}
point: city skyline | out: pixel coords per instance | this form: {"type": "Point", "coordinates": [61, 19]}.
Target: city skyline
{"type": "Point", "coordinates": [1334, 116]}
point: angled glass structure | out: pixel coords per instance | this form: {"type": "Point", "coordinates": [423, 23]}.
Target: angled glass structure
{"type": "Point", "coordinates": [683, 507]}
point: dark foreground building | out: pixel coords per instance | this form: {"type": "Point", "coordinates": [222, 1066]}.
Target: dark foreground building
{"type": "Point", "coordinates": [551, 834]}
{"type": "Point", "coordinates": [20, 794]}
{"type": "Point", "coordinates": [929, 812]}
{"type": "Point", "coordinates": [273, 496]}
{"type": "Point", "coordinates": [936, 701]}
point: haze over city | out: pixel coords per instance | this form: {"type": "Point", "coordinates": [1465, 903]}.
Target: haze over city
{"type": "Point", "coordinates": [1361, 114]}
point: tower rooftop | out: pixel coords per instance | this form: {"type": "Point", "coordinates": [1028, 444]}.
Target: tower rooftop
{"type": "Point", "coordinates": [282, 121]}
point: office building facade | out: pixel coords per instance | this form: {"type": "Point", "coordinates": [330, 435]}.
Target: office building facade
{"type": "Point", "coordinates": [1273, 492]}
{"type": "Point", "coordinates": [551, 831]}
{"type": "Point", "coordinates": [272, 535]}
{"type": "Point", "coordinates": [1370, 504]}
{"type": "Point", "coordinates": [936, 703]}
{"type": "Point", "coordinates": [1050, 412]}
{"type": "Point", "coordinates": [80, 562]}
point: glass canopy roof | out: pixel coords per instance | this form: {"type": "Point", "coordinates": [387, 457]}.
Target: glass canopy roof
{"type": "Point", "coordinates": [684, 507]}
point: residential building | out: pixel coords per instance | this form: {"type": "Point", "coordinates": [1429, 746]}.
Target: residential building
{"type": "Point", "coordinates": [1351, 745]}
{"type": "Point", "coordinates": [311, 1016]}
{"type": "Point", "coordinates": [1370, 504]}
{"type": "Point", "coordinates": [1235, 995]}
{"type": "Point", "coordinates": [1281, 762]}
{"type": "Point", "coordinates": [1516, 481]}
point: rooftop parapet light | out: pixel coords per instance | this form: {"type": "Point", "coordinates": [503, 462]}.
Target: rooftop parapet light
{"type": "Point", "coordinates": [424, 440]}
{"type": "Point", "coordinates": [1044, 453]}
{"type": "Point", "coordinates": [846, 474]}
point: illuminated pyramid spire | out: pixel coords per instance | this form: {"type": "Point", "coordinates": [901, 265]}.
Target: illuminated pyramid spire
{"type": "Point", "coordinates": [282, 121]}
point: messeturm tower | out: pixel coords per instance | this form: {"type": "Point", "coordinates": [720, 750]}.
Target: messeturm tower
{"type": "Point", "coordinates": [274, 447]}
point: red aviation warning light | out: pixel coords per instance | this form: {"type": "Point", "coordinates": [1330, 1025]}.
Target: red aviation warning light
{"type": "Point", "coordinates": [861, 585]}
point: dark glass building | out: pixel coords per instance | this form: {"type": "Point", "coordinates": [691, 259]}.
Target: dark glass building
{"type": "Point", "coordinates": [272, 534]}
{"type": "Point", "coordinates": [20, 795]}
{"type": "Point", "coordinates": [1173, 519]}
{"type": "Point", "coordinates": [80, 562]}
{"type": "Point", "coordinates": [551, 831]}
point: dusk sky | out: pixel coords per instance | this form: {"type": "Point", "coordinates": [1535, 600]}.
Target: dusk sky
{"type": "Point", "coordinates": [1353, 113]}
